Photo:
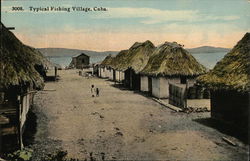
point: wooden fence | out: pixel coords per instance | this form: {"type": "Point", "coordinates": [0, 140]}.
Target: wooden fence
{"type": "Point", "coordinates": [177, 95]}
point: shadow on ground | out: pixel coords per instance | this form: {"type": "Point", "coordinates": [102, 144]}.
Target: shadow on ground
{"type": "Point", "coordinates": [225, 128]}
{"type": "Point", "coordinates": [30, 128]}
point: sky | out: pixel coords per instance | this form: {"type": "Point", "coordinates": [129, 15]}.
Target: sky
{"type": "Point", "coordinates": [193, 23]}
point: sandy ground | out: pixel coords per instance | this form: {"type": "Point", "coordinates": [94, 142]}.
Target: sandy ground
{"type": "Point", "coordinates": [121, 125]}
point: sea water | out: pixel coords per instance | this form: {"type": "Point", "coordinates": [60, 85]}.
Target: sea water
{"type": "Point", "coordinates": [207, 59]}
{"type": "Point", "coordinates": [65, 61]}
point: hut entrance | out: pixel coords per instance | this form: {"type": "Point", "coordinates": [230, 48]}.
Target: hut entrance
{"type": "Point", "coordinates": [136, 81]}
{"type": "Point", "coordinates": [127, 78]}
{"type": "Point", "coordinates": [114, 75]}
{"type": "Point", "coordinates": [132, 80]}
{"type": "Point", "coordinates": [183, 80]}
{"type": "Point", "coordinates": [150, 85]}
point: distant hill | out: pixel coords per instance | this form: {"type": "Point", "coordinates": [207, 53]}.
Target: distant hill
{"type": "Point", "coordinates": [63, 52]}
{"type": "Point", "coordinates": [207, 49]}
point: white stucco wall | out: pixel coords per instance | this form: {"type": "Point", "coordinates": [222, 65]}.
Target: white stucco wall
{"type": "Point", "coordinates": [156, 87]}
{"type": "Point", "coordinates": [160, 86]}
{"type": "Point", "coordinates": [110, 74]}
{"type": "Point", "coordinates": [122, 75]}
{"type": "Point", "coordinates": [164, 91]}
{"type": "Point", "coordinates": [99, 72]}
{"type": "Point", "coordinates": [104, 72]}
{"type": "Point", "coordinates": [144, 83]}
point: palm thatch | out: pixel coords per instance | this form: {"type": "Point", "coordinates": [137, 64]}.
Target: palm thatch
{"type": "Point", "coordinates": [17, 62]}
{"type": "Point", "coordinates": [136, 57]}
{"type": "Point", "coordinates": [232, 72]}
{"type": "Point", "coordinates": [170, 59]}
{"type": "Point", "coordinates": [107, 61]}
{"type": "Point", "coordinates": [120, 57]}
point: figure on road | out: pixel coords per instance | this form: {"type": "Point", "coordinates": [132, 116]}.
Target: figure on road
{"type": "Point", "coordinates": [97, 92]}
{"type": "Point", "coordinates": [92, 90]}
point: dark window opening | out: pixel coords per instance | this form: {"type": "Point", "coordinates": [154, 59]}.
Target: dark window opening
{"type": "Point", "coordinates": [183, 80]}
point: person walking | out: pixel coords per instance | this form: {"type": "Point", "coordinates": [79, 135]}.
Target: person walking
{"type": "Point", "coordinates": [92, 90]}
{"type": "Point", "coordinates": [97, 92]}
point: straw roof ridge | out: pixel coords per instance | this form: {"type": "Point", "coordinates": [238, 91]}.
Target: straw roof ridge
{"type": "Point", "coordinates": [232, 72]}
{"type": "Point", "coordinates": [120, 57]}
{"type": "Point", "coordinates": [170, 59]}
{"type": "Point", "coordinates": [17, 62]}
{"type": "Point", "coordinates": [107, 60]}
{"type": "Point", "coordinates": [136, 57]}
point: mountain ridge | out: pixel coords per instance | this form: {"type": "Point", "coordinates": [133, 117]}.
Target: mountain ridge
{"type": "Point", "coordinates": [66, 52]}
{"type": "Point", "coordinates": [207, 49]}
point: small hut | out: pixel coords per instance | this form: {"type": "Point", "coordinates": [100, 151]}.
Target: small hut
{"type": "Point", "coordinates": [116, 65]}
{"type": "Point", "coordinates": [21, 71]}
{"type": "Point", "coordinates": [169, 63]}
{"type": "Point", "coordinates": [80, 61]}
{"type": "Point", "coordinates": [105, 69]}
{"type": "Point", "coordinates": [229, 84]}
{"type": "Point", "coordinates": [133, 61]}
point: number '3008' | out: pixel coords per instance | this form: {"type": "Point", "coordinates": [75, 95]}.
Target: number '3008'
{"type": "Point", "coordinates": [17, 8]}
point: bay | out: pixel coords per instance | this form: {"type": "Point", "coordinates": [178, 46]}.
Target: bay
{"type": "Point", "coordinates": [207, 59]}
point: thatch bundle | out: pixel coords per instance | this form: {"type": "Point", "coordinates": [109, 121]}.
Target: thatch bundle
{"type": "Point", "coordinates": [170, 59]}
{"type": "Point", "coordinates": [232, 72]}
{"type": "Point", "coordinates": [17, 63]}
{"type": "Point", "coordinates": [136, 57]}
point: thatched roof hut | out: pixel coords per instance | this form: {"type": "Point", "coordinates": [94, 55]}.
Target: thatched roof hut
{"type": "Point", "coordinates": [17, 63]}
{"type": "Point", "coordinates": [136, 57]}
{"type": "Point", "coordinates": [170, 59]}
{"type": "Point", "coordinates": [119, 58]}
{"type": "Point", "coordinates": [107, 61]}
{"type": "Point", "coordinates": [232, 72]}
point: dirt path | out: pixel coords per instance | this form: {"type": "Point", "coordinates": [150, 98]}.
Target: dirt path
{"type": "Point", "coordinates": [121, 124]}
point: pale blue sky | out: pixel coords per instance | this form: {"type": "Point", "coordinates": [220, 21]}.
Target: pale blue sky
{"type": "Point", "coordinates": [189, 22]}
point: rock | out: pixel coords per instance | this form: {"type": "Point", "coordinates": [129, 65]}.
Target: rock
{"type": "Point", "coordinates": [116, 128]}
{"type": "Point", "coordinates": [118, 133]}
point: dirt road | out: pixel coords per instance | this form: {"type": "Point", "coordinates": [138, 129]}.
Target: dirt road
{"type": "Point", "coordinates": [121, 125]}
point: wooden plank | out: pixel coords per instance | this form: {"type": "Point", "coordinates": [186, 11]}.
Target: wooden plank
{"type": "Point", "coordinates": [8, 111]}
{"type": "Point", "coordinates": [4, 120]}
{"type": "Point", "coordinates": [8, 131]}
{"type": "Point", "coordinates": [229, 141]}
{"type": "Point", "coordinates": [168, 105]}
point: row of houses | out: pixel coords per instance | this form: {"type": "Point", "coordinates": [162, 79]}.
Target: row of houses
{"type": "Point", "coordinates": [151, 69]}
{"type": "Point", "coordinates": [22, 73]}
{"type": "Point", "coordinates": [169, 68]}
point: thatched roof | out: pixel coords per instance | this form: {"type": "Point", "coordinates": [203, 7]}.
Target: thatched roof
{"type": "Point", "coordinates": [17, 62]}
{"type": "Point", "coordinates": [170, 59]}
{"type": "Point", "coordinates": [232, 72]}
{"type": "Point", "coordinates": [107, 61]}
{"type": "Point", "coordinates": [136, 57]}
{"type": "Point", "coordinates": [120, 57]}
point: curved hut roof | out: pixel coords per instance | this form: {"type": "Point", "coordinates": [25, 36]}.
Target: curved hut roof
{"type": "Point", "coordinates": [136, 57]}
{"type": "Point", "coordinates": [232, 72]}
{"type": "Point", "coordinates": [17, 63]}
{"type": "Point", "coordinates": [170, 59]}
{"type": "Point", "coordinates": [120, 57]}
{"type": "Point", "coordinates": [107, 61]}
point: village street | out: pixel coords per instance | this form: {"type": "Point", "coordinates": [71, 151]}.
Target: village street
{"type": "Point", "coordinates": [121, 125]}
